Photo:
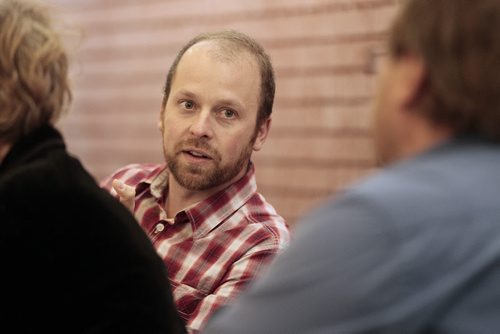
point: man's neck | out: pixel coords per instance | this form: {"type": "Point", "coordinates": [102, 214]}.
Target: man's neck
{"type": "Point", "coordinates": [4, 149]}
{"type": "Point", "coordinates": [422, 136]}
{"type": "Point", "coordinates": [180, 198]}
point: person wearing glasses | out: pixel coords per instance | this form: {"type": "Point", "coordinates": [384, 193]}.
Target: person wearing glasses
{"type": "Point", "coordinates": [414, 248]}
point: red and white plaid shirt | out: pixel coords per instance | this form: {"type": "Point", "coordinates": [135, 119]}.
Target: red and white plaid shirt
{"type": "Point", "coordinates": [212, 249]}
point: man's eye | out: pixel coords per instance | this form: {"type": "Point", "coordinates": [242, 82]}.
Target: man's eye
{"type": "Point", "coordinates": [188, 104]}
{"type": "Point", "coordinates": [229, 113]}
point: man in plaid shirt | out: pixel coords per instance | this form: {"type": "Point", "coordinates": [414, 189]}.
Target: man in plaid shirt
{"type": "Point", "coordinates": [201, 209]}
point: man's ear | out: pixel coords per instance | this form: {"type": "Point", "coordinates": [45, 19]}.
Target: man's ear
{"type": "Point", "coordinates": [413, 77]}
{"type": "Point", "coordinates": [262, 133]}
{"type": "Point", "coordinates": [160, 125]}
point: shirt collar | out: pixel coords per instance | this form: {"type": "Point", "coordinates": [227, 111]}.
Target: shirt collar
{"type": "Point", "coordinates": [210, 212]}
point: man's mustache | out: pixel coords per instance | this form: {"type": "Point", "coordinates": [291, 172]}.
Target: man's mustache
{"type": "Point", "coordinates": [200, 144]}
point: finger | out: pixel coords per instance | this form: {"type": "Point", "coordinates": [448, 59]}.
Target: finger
{"type": "Point", "coordinates": [126, 193]}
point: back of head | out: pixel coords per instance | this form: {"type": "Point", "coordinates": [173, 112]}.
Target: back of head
{"type": "Point", "coordinates": [34, 88]}
{"type": "Point", "coordinates": [459, 45]}
{"type": "Point", "coordinates": [230, 44]}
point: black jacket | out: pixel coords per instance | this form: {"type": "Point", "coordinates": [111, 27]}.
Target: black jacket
{"type": "Point", "coordinates": [72, 258]}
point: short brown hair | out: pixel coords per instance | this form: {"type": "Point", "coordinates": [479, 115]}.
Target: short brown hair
{"type": "Point", "coordinates": [34, 87]}
{"type": "Point", "coordinates": [235, 41]}
{"type": "Point", "coordinates": [459, 44]}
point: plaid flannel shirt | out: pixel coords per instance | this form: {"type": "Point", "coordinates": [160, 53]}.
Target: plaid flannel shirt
{"type": "Point", "coordinates": [212, 249]}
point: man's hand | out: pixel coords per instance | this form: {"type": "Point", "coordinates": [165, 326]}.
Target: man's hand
{"type": "Point", "coordinates": [126, 194]}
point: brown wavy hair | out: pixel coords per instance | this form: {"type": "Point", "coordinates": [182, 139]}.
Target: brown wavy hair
{"type": "Point", "coordinates": [34, 87]}
{"type": "Point", "coordinates": [459, 43]}
{"type": "Point", "coordinates": [232, 41]}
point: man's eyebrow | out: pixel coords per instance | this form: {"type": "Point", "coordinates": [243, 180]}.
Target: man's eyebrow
{"type": "Point", "coordinates": [185, 92]}
{"type": "Point", "coordinates": [231, 103]}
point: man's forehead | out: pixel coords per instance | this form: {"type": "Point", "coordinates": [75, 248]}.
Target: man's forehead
{"type": "Point", "coordinates": [221, 50]}
{"type": "Point", "coordinates": [196, 64]}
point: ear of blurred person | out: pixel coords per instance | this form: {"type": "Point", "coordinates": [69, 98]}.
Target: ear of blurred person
{"type": "Point", "coordinates": [414, 248]}
{"type": "Point", "coordinates": [73, 258]}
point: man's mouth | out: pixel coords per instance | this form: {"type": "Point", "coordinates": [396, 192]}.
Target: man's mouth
{"type": "Point", "coordinates": [197, 154]}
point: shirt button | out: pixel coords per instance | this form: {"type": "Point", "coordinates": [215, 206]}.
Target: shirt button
{"type": "Point", "coordinates": [159, 227]}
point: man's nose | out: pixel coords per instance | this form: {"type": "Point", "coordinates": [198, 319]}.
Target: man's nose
{"type": "Point", "coordinates": [202, 125]}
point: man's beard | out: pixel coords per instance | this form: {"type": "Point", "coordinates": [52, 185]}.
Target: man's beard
{"type": "Point", "coordinates": [199, 178]}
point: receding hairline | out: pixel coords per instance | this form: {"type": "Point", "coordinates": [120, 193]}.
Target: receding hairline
{"type": "Point", "coordinates": [224, 50]}
{"type": "Point", "coordinates": [214, 51]}
{"type": "Point", "coordinates": [230, 42]}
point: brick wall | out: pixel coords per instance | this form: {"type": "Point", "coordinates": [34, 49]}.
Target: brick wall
{"type": "Point", "coordinates": [320, 140]}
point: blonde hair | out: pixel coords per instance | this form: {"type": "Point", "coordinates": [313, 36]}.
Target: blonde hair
{"type": "Point", "coordinates": [34, 86]}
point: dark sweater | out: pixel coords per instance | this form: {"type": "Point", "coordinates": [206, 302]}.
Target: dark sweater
{"type": "Point", "coordinates": [72, 258]}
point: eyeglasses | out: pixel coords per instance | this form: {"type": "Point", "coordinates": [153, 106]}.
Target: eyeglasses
{"type": "Point", "coordinates": [375, 55]}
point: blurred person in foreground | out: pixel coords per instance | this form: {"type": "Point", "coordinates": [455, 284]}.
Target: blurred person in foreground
{"type": "Point", "coordinates": [73, 258]}
{"type": "Point", "coordinates": [201, 207]}
{"type": "Point", "coordinates": [415, 248]}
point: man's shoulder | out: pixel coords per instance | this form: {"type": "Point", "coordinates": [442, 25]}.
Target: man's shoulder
{"type": "Point", "coordinates": [133, 174]}
{"type": "Point", "coordinates": [399, 190]}
{"type": "Point", "coordinates": [443, 185]}
{"type": "Point", "coordinates": [444, 171]}
{"type": "Point", "coordinates": [260, 214]}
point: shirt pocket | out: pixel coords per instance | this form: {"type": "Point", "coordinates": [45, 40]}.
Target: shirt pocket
{"type": "Point", "coordinates": [186, 298]}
